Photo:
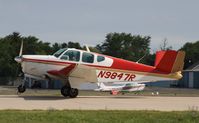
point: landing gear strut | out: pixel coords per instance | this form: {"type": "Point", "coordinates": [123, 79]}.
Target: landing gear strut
{"type": "Point", "coordinates": [22, 88]}
{"type": "Point", "coordinates": [68, 91]}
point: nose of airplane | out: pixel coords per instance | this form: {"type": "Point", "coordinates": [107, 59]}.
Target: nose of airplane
{"type": "Point", "coordinates": [18, 59]}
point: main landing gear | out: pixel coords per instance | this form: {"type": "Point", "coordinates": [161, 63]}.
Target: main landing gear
{"type": "Point", "coordinates": [68, 91]}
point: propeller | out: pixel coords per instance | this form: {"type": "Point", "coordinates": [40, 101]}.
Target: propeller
{"type": "Point", "coordinates": [21, 48]}
{"type": "Point", "coordinates": [18, 59]}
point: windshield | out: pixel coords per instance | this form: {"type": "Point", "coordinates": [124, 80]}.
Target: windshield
{"type": "Point", "coordinates": [59, 52]}
{"type": "Point", "coordinates": [71, 55]}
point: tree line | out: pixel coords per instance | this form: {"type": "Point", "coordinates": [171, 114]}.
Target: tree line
{"type": "Point", "coordinates": [121, 45]}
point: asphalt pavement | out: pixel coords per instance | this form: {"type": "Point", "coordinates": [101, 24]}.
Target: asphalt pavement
{"type": "Point", "coordinates": [160, 103]}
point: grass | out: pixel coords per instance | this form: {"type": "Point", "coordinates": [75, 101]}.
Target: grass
{"type": "Point", "coordinates": [102, 116]}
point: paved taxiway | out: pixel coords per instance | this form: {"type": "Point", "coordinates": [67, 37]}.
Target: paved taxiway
{"type": "Point", "coordinates": [99, 103]}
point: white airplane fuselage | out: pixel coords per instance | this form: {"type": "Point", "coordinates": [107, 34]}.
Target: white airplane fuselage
{"type": "Point", "coordinates": [39, 65]}
{"type": "Point", "coordinates": [78, 66]}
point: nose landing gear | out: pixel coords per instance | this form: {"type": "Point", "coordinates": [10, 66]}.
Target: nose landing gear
{"type": "Point", "coordinates": [21, 88]}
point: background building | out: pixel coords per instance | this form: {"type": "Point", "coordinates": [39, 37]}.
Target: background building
{"type": "Point", "coordinates": [190, 77]}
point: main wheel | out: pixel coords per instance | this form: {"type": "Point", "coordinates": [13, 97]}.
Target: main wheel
{"type": "Point", "coordinates": [21, 88]}
{"type": "Point", "coordinates": [65, 91]}
{"type": "Point", "coordinates": [73, 92]}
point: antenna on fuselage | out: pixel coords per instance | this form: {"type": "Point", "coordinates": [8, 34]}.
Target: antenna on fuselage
{"type": "Point", "coordinates": [87, 48]}
{"type": "Point", "coordinates": [141, 58]}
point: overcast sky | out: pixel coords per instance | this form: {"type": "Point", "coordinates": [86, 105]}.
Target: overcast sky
{"type": "Point", "coordinates": [88, 21]}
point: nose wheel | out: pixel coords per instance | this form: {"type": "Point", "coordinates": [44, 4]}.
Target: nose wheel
{"type": "Point", "coordinates": [21, 88]}
{"type": "Point", "coordinates": [71, 92]}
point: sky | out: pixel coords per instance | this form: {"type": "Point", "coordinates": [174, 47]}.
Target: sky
{"type": "Point", "coordinates": [88, 21]}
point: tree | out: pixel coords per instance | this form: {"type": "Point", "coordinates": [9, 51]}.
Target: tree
{"type": "Point", "coordinates": [64, 45]}
{"type": "Point", "coordinates": [192, 53]}
{"type": "Point", "coordinates": [164, 45]}
{"type": "Point", "coordinates": [121, 45]}
{"type": "Point", "coordinates": [9, 49]}
{"type": "Point", "coordinates": [126, 46]}
{"type": "Point", "coordinates": [70, 44]}
{"type": "Point", "coordinates": [56, 47]}
{"type": "Point", "coordinates": [74, 45]}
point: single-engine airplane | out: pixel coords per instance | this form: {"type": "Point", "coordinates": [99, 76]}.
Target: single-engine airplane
{"type": "Point", "coordinates": [120, 87]}
{"type": "Point", "coordinates": [74, 67]}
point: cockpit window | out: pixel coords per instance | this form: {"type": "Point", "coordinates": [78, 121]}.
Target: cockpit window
{"type": "Point", "coordinates": [100, 58]}
{"type": "Point", "coordinates": [88, 57]}
{"type": "Point", "coordinates": [71, 55]}
{"type": "Point", "coordinates": [59, 52]}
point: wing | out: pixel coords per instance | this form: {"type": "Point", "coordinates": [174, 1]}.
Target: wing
{"type": "Point", "coordinates": [84, 72]}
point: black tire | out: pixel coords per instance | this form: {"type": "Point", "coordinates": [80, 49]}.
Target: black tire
{"type": "Point", "coordinates": [21, 89]}
{"type": "Point", "coordinates": [73, 92]}
{"type": "Point", "coordinates": [65, 91]}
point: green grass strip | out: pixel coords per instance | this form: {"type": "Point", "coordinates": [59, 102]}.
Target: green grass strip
{"type": "Point", "coordinates": [102, 116]}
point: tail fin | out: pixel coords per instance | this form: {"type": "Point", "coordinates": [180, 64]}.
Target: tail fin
{"type": "Point", "coordinates": [170, 61]}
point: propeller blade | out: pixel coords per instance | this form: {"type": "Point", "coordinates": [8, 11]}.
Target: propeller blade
{"type": "Point", "coordinates": [21, 49]}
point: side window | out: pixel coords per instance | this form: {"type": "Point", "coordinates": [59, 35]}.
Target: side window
{"type": "Point", "coordinates": [100, 58]}
{"type": "Point", "coordinates": [87, 57]}
{"type": "Point", "coordinates": [71, 55]}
